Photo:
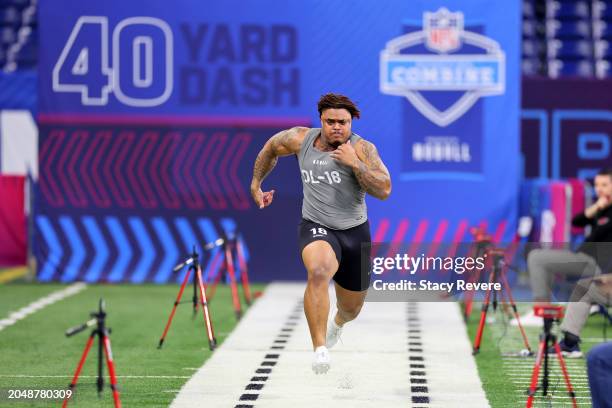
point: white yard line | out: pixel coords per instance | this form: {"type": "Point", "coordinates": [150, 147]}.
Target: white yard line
{"type": "Point", "coordinates": [266, 360]}
{"type": "Point", "coordinates": [39, 304]}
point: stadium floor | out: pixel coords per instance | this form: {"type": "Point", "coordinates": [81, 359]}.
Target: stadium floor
{"type": "Point", "coordinates": [392, 355]}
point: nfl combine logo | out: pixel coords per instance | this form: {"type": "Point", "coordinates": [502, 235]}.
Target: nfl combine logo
{"type": "Point", "coordinates": [444, 29]}
{"type": "Point", "coordinates": [405, 70]}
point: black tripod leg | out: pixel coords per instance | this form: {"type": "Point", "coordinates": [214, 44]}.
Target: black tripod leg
{"type": "Point", "coordinates": [549, 340]}
{"type": "Point", "coordinates": [100, 381]}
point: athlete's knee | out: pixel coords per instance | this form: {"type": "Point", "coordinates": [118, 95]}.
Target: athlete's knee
{"type": "Point", "coordinates": [320, 274]}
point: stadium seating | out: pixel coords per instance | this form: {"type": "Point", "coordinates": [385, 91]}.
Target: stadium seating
{"type": "Point", "coordinates": [18, 41]}
{"type": "Point", "coordinates": [563, 68]}
{"type": "Point", "coordinates": [564, 10]}
{"type": "Point", "coordinates": [602, 69]}
{"type": "Point", "coordinates": [570, 49]}
{"type": "Point", "coordinates": [567, 38]}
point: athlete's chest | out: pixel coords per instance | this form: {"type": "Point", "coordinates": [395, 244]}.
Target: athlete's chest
{"type": "Point", "coordinates": [318, 167]}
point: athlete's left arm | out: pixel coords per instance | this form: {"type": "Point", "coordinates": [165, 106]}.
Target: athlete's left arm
{"type": "Point", "coordinates": [371, 172]}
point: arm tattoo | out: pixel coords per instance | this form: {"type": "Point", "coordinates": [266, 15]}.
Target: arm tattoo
{"type": "Point", "coordinates": [264, 163]}
{"type": "Point", "coordinates": [371, 173]}
{"type": "Point", "coordinates": [281, 144]}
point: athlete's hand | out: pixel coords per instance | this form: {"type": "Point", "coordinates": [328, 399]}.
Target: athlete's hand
{"type": "Point", "coordinates": [345, 154]}
{"type": "Point", "coordinates": [262, 199]}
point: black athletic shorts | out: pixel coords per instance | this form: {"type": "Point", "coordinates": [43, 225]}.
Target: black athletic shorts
{"type": "Point", "coordinates": [351, 274]}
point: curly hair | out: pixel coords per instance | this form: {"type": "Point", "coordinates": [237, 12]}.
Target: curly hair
{"type": "Point", "coordinates": [337, 101]}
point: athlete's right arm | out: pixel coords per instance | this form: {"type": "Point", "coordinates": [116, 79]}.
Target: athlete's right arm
{"type": "Point", "coordinates": [283, 143]}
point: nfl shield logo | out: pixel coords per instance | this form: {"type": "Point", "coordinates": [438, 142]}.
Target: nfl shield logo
{"type": "Point", "coordinates": [443, 30]}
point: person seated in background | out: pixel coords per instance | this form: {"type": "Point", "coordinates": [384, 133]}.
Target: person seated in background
{"type": "Point", "coordinates": [587, 262]}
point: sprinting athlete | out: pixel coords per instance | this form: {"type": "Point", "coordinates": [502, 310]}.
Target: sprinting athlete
{"type": "Point", "coordinates": [338, 168]}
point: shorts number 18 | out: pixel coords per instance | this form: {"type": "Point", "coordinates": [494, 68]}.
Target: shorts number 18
{"type": "Point", "coordinates": [321, 231]}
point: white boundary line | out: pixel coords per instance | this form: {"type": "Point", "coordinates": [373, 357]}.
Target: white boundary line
{"type": "Point", "coordinates": [39, 304]}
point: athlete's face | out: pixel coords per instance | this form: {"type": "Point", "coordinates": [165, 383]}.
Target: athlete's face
{"type": "Point", "coordinates": [603, 186]}
{"type": "Point", "coordinates": [336, 126]}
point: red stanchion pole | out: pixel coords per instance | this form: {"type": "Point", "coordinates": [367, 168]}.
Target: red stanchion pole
{"type": "Point", "coordinates": [244, 275]}
{"type": "Point", "coordinates": [212, 341]}
{"type": "Point", "coordinates": [176, 303]}
{"type": "Point", "coordinates": [233, 284]}
{"type": "Point", "coordinates": [73, 383]}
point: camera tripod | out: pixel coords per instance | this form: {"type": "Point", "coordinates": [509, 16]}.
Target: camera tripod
{"type": "Point", "coordinates": [198, 284]}
{"type": "Point", "coordinates": [498, 276]}
{"type": "Point", "coordinates": [102, 332]}
{"type": "Point", "coordinates": [548, 340]}
{"type": "Point", "coordinates": [232, 245]}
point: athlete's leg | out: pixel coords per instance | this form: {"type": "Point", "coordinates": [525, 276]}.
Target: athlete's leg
{"type": "Point", "coordinates": [349, 304]}
{"type": "Point", "coordinates": [321, 263]}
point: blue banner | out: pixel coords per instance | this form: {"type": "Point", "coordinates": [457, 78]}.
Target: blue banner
{"type": "Point", "coordinates": [151, 114]}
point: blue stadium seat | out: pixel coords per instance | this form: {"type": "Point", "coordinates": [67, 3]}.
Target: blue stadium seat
{"type": "Point", "coordinates": [602, 49]}
{"type": "Point", "coordinates": [558, 68]}
{"type": "Point", "coordinates": [528, 10]}
{"type": "Point", "coordinates": [532, 66]}
{"type": "Point", "coordinates": [569, 49]}
{"type": "Point", "coordinates": [602, 69]}
{"type": "Point", "coordinates": [602, 10]}
{"type": "Point", "coordinates": [7, 36]}
{"type": "Point", "coordinates": [602, 30]}
{"type": "Point", "coordinates": [529, 28]}
{"type": "Point", "coordinates": [568, 29]}
{"type": "Point", "coordinates": [10, 16]}
{"type": "Point", "coordinates": [14, 3]}
{"type": "Point", "coordinates": [564, 10]}
{"type": "Point", "coordinates": [532, 48]}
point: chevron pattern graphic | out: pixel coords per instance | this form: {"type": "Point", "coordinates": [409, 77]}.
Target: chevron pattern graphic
{"type": "Point", "coordinates": [125, 201]}
{"type": "Point", "coordinates": [125, 249]}
{"type": "Point", "coordinates": [144, 168]}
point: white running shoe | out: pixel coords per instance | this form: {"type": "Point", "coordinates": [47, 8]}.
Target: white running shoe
{"type": "Point", "coordinates": [321, 361]}
{"type": "Point", "coordinates": [529, 319]}
{"type": "Point", "coordinates": [333, 333]}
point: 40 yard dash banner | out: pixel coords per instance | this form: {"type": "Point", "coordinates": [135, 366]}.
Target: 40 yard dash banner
{"type": "Point", "coordinates": [151, 114]}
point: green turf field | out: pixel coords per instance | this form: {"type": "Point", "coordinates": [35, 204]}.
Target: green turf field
{"type": "Point", "coordinates": [35, 354]}
{"type": "Point", "coordinates": [498, 374]}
